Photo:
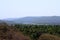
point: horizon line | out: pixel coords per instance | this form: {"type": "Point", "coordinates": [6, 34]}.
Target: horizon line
{"type": "Point", "coordinates": [28, 16]}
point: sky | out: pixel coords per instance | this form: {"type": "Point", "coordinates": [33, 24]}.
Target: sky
{"type": "Point", "coordinates": [23, 8]}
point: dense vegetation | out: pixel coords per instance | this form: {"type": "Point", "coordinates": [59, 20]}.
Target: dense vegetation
{"type": "Point", "coordinates": [30, 32]}
{"type": "Point", "coordinates": [35, 31]}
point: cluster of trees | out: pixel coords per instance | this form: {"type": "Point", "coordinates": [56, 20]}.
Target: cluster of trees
{"type": "Point", "coordinates": [35, 31]}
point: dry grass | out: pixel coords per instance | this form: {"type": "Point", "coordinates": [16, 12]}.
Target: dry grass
{"type": "Point", "coordinates": [6, 33]}
{"type": "Point", "coordinates": [48, 37]}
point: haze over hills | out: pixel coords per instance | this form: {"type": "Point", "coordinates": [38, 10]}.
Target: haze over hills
{"type": "Point", "coordinates": [35, 20]}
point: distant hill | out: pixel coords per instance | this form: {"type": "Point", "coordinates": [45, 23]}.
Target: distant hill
{"type": "Point", "coordinates": [6, 22]}
{"type": "Point", "coordinates": [1, 21]}
{"type": "Point", "coordinates": [36, 20]}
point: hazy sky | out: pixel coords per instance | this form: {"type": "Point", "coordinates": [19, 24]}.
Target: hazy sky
{"type": "Point", "coordinates": [22, 8]}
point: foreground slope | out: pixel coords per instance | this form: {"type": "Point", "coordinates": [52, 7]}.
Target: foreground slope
{"type": "Point", "coordinates": [7, 33]}
{"type": "Point", "coordinates": [48, 37]}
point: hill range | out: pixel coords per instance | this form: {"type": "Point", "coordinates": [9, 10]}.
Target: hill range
{"type": "Point", "coordinates": [34, 20]}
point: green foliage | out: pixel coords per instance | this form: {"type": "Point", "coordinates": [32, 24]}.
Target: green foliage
{"type": "Point", "coordinates": [34, 31]}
